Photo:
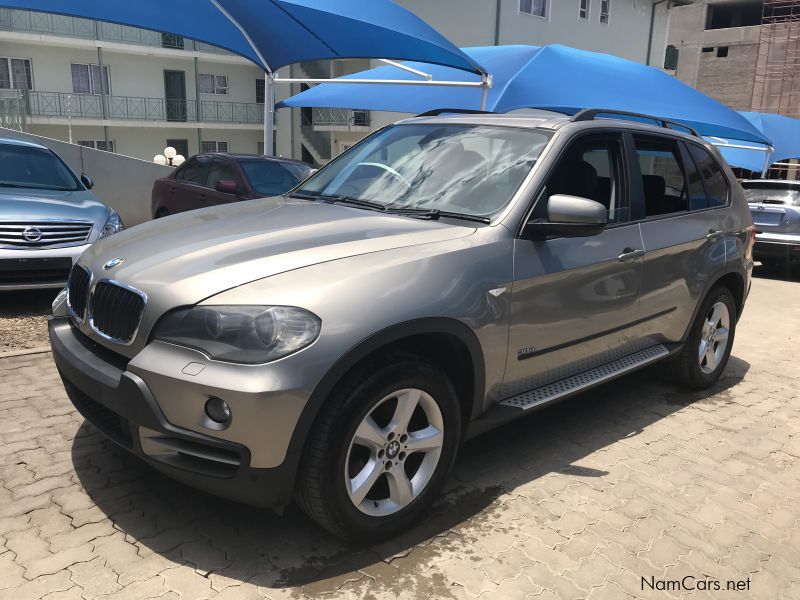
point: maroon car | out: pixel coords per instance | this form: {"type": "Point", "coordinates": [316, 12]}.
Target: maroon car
{"type": "Point", "coordinates": [211, 179]}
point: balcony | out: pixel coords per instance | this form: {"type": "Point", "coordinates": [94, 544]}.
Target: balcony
{"type": "Point", "coordinates": [340, 119]}
{"type": "Point", "coordinates": [25, 21]}
{"type": "Point", "coordinates": [134, 108]}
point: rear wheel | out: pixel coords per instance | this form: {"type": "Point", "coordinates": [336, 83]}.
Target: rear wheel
{"type": "Point", "coordinates": [708, 347]}
{"type": "Point", "coordinates": [381, 451]}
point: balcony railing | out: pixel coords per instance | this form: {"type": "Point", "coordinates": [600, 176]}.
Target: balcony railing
{"type": "Point", "coordinates": [36, 22]}
{"type": "Point", "coordinates": [135, 108]}
{"type": "Point", "coordinates": [341, 117]}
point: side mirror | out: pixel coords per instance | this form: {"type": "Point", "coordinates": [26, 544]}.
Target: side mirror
{"type": "Point", "coordinates": [87, 182]}
{"type": "Point", "coordinates": [227, 186]}
{"type": "Point", "coordinates": [569, 216]}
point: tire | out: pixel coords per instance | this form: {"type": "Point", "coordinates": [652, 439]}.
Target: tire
{"type": "Point", "coordinates": [692, 366]}
{"type": "Point", "coordinates": [334, 460]}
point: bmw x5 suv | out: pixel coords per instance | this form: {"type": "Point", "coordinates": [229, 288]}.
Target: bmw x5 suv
{"type": "Point", "coordinates": [448, 274]}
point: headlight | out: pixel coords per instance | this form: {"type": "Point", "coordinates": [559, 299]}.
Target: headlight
{"type": "Point", "coordinates": [241, 334]}
{"type": "Point", "coordinates": [113, 225]}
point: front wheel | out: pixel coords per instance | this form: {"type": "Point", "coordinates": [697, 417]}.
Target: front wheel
{"type": "Point", "coordinates": [708, 347]}
{"type": "Point", "coordinates": [381, 451]}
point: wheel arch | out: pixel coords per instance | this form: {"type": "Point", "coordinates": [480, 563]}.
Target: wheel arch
{"type": "Point", "coordinates": [735, 281]}
{"type": "Point", "coordinates": [429, 337]}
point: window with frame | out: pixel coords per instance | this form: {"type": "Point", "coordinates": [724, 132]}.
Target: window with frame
{"type": "Point", "coordinates": [605, 11]}
{"type": "Point", "coordinates": [537, 8]}
{"type": "Point", "coordinates": [86, 79]}
{"type": "Point", "coordinates": [716, 183]}
{"type": "Point", "coordinates": [194, 171]}
{"type": "Point", "coordinates": [212, 84]}
{"type": "Point", "coordinates": [663, 176]}
{"type": "Point", "coordinates": [220, 170]}
{"type": "Point", "coordinates": [583, 11]}
{"type": "Point", "coordinates": [15, 73]}
{"type": "Point", "coordinates": [213, 146]}
{"type": "Point", "coordinates": [592, 168]}
{"type": "Point", "coordinates": [260, 91]}
{"type": "Point", "coordinates": [98, 144]}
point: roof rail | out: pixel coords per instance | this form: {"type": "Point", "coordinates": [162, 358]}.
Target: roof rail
{"type": "Point", "coordinates": [457, 111]}
{"type": "Point", "coordinates": [590, 114]}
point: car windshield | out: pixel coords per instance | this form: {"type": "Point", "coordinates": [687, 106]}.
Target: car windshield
{"type": "Point", "coordinates": [272, 178]}
{"type": "Point", "coordinates": [772, 195]}
{"type": "Point", "coordinates": [465, 169]}
{"type": "Point", "coordinates": [37, 168]}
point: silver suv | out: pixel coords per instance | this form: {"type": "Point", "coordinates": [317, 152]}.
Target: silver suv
{"type": "Point", "coordinates": [48, 217]}
{"type": "Point", "coordinates": [446, 275]}
{"type": "Point", "coordinates": [775, 206]}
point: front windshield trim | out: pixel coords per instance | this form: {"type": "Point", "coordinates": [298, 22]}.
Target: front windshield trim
{"type": "Point", "coordinates": [546, 136]}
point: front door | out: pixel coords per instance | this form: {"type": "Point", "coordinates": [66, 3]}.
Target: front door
{"type": "Point", "coordinates": [175, 95]}
{"type": "Point", "coordinates": [574, 301]}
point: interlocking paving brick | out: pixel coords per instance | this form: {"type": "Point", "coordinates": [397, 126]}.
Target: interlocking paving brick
{"type": "Point", "coordinates": [635, 479]}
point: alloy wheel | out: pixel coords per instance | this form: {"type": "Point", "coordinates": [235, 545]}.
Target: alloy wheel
{"type": "Point", "coordinates": [714, 337]}
{"type": "Point", "coordinates": [394, 452]}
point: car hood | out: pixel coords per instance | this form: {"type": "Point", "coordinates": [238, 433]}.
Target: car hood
{"type": "Point", "coordinates": [185, 258]}
{"type": "Point", "coordinates": [18, 204]}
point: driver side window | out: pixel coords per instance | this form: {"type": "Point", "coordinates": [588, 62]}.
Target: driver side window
{"type": "Point", "coordinates": [592, 168]}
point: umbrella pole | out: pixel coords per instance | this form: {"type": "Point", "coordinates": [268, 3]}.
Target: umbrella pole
{"type": "Point", "coordinates": [269, 113]}
{"type": "Point", "coordinates": [486, 83]}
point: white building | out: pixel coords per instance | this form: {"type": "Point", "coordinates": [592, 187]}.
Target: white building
{"type": "Point", "coordinates": [158, 89]}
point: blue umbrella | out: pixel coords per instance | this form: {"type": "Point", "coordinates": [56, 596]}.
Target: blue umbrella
{"type": "Point", "coordinates": [551, 77]}
{"type": "Point", "coordinates": [276, 33]}
{"type": "Point", "coordinates": [783, 132]}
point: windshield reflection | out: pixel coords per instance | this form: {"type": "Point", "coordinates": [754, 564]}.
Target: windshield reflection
{"type": "Point", "coordinates": [474, 170]}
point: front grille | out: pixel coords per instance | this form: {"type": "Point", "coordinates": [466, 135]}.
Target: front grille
{"type": "Point", "coordinates": [116, 311]}
{"type": "Point", "coordinates": [78, 291]}
{"type": "Point", "coordinates": [43, 234]}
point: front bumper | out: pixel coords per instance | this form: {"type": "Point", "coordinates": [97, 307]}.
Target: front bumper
{"type": "Point", "coordinates": [121, 406]}
{"type": "Point", "coordinates": [30, 269]}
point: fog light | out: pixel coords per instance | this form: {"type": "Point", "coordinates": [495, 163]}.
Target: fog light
{"type": "Point", "coordinates": [218, 411]}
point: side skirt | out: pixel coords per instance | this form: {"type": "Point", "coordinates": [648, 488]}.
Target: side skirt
{"type": "Point", "coordinates": [527, 402]}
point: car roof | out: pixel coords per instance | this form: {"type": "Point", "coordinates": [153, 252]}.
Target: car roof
{"type": "Point", "coordinates": [544, 119]}
{"type": "Point", "coordinates": [24, 143]}
{"type": "Point", "coordinates": [245, 156]}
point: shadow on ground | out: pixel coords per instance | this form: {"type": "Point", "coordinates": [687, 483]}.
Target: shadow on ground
{"type": "Point", "coordinates": [282, 551]}
{"type": "Point", "coordinates": [785, 272]}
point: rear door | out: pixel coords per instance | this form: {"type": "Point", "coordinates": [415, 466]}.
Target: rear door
{"type": "Point", "coordinates": [575, 300]}
{"type": "Point", "coordinates": [682, 215]}
{"type": "Point", "coordinates": [190, 188]}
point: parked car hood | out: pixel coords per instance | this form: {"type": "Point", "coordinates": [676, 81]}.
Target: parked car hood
{"type": "Point", "coordinates": [185, 258]}
{"type": "Point", "coordinates": [22, 204]}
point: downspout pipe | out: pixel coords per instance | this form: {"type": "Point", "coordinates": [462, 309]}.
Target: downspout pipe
{"type": "Point", "coordinates": [497, 11]}
{"type": "Point", "coordinates": [652, 29]}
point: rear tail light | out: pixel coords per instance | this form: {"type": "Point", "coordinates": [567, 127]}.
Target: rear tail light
{"type": "Point", "coordinates": [751, 242]}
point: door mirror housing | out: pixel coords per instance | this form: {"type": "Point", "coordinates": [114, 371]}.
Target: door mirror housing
{"type": "Point", "coordinates": [569, 216]}
{"type": "Point", "coordinates": [87, 182]}
{"type": "Point", "coordinates": [227, 186]}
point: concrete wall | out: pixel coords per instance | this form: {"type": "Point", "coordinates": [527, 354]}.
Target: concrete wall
{"type": "Point", "coordinates": [122, 182]}
{"type": "Point", "coordinates": [727, 79]}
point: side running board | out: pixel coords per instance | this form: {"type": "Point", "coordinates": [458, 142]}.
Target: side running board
{"type": "Point", "coordinates": [587, 379]}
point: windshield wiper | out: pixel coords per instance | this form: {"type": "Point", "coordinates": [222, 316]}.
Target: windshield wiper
{"type": "Point", "coordinates": [301, 196]}
{"type": "Point", "coordinates": [435, 214]}
{"type": "Point", "coordinates": [358, 202]}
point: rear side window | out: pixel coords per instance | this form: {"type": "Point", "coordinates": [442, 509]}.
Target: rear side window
{"type": "Point", "coordinates": [664, 182]}
{"type": "Point", "coordinates": [714, 178]}
{"type": "Point", "coordinates": [195, 171]}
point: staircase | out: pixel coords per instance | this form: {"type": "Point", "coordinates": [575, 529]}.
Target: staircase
{"type": "Point", "coordinates": [318, 143]}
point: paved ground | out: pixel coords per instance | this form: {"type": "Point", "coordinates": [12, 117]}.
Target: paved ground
{"type": "Point", "coordinates": [635, 480]}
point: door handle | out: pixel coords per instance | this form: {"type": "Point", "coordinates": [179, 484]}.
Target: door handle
{"type": "Point", "coordinates": [715, 234]}
{"type": "Point", "coordinates": [172, 190]}
{"type": "Point", "coordinates": [630, 254]}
